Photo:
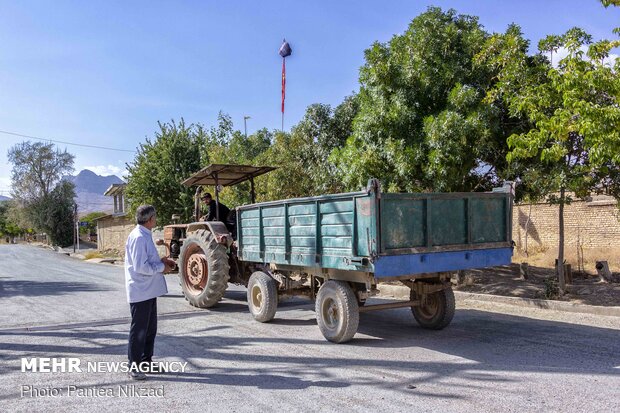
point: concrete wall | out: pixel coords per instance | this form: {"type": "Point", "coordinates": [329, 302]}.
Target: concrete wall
{"type": "Point", "coordinates": [593, 224]}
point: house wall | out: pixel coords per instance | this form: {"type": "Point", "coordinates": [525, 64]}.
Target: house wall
{"type": "Point", "coordinates": [112, 233]}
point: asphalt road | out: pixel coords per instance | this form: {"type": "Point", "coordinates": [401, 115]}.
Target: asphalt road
{"type": "Point", "coordinates": [55, 306]}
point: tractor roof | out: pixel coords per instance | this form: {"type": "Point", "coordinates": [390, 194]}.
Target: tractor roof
{"type": "Point", "coordinates": [226, 175]}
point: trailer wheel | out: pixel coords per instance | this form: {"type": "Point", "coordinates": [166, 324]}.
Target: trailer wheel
{"type": "Point", "coordinates": [438, 311]}
{"type": "Point", "coordinates": [337, 311]}
{"type": "Point", "coordinates": [262, 297]}
{"type": "Point", "coordinates": [203, 269]}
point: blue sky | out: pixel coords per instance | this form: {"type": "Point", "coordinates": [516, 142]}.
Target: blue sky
{"type": "Point", "coordinates": [103, 73]}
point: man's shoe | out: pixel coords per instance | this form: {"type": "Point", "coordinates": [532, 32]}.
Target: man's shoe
{"type": "Point", "coordinates": [136, 375]}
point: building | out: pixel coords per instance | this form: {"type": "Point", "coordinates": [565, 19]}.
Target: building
{"type": "Point", "coordinates": [113, 229]}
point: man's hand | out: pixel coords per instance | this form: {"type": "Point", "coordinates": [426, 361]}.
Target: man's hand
{"type": "Point", "coordinates": [169, 264]}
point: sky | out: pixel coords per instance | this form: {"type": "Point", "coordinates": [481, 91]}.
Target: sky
{"type": "Point", "coordinates": [103, 73]}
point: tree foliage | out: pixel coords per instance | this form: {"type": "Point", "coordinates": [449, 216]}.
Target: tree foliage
{"type": "Point", "coordinates": [302, 156]}
{"type": "Point", "coordinates": [8, 227]}
{"type": "Point", "coordinates": [159, 167]}
{"type": "Point", "coordinates": [38, 188]}
{"type": "Point", "coordinates": [423, 123]}
{"type": "Point", "coordinates": [574, 107]}
{"type": "Point", "coordinates": [91, 222]}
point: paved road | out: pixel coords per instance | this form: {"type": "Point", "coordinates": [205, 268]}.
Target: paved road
{"type": "Point", "coordinates": [483, 362]}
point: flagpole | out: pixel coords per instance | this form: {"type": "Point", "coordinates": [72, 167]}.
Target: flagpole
{"type": "Point", "coordinates": [285, 50]}
{"type": "Point", "coordinates": [283, 89]}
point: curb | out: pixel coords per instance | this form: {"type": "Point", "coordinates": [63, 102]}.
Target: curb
{"type": "Point", "coordinates": [402, 292]}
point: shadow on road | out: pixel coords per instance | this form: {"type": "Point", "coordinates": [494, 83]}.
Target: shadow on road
{"type": "Point", "coordinates": [484, 343]}
{"type": "Point", "coordinates": [10, 288]}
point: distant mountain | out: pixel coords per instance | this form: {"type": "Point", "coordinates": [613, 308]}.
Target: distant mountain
{"type": "Point", "coordinates": [88, 181]}
{"type": "Point", "coordinates": [4, 198]}
{"type": "Point", "coordinates": [89, 189]}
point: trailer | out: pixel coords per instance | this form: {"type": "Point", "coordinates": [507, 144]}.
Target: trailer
{"type": "Point", "coordinates": [335, 249]}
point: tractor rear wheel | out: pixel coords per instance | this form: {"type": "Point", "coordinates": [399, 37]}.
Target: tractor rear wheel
{"type": "Point", "coordinates": [203, 269]}
{"type": "Point", "coordinates": [437, 311]}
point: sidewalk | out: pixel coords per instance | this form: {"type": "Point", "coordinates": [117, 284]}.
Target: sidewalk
{"type": "Point", "coordinates": [402, 293]}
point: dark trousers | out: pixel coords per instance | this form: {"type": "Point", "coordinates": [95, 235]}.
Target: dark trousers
{"type": "Point", "coordinates": [142, 331]}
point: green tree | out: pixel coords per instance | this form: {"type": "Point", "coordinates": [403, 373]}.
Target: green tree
{"type": "Point", "coordinates": [574, 143]}
{"type": "Point", "coordinates": [237, 149]}
{"type": "Point", "coordinates": [38, 188]}
{"type": "Point", "coordinates": [8, 228]}
{"type": "Point", "coordinates": [302, 156]}
{"type": "Point", "coordinates": [423, 123]}
{"type": "Point", "coordinates": [53, 214]}
{"type": "Point", "coordinates": [159, 167]}
{"type": "Point", "coordinates": [91, 223]}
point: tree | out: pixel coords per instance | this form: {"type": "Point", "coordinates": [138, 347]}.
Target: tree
{"type": "Point", "coordinates": [302, 156]}
{"type": "Point", "coordinates": [574, 108]}
{"type": "Point", "coordinates": [423, 123]}
{"type": "Point", "coordinates": [38, 188]}
{"type": "Point", "coordinates": [91, 222]}
{"type": "Point", "coordinates": [53, 214]}
{"type": "Point", "coordinates": [238, 149]}
{"type": "Point", "coordinates": [8, 228]}
{"type": "Point", "coordinates": [159, 167]}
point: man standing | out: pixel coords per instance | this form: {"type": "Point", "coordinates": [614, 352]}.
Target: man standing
{"type": "Point", "coordinates": [145, 282]}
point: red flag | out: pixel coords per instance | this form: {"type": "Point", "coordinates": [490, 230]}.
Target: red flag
{"type": "Point", "coordinates": [283, 82]}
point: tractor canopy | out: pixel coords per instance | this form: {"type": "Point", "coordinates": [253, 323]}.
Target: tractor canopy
{"type": "Point", "coordinates": [226, 175]}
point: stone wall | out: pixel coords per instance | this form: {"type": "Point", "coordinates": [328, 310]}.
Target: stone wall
{"type": "Point", "coordinates": [590, 224]}
{"type": "Point", "coordinates": [112, 232]}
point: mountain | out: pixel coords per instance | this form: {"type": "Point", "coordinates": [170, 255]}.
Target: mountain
{"type": "Point", "coordinates": [88, 181]}
{"type": "Point", "coordinates": [89, 189]}
{"type": "Point", "coordinates": [4, 198]}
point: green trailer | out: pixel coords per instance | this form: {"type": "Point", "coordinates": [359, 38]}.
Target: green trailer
{"type": "Point", "coordinates": [335, 249]}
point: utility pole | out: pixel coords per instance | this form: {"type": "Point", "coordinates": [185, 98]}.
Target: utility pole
{"type": "Point", "coordinates": [75, 225]}
{"type": "Point", "coordinates": [245, 125]}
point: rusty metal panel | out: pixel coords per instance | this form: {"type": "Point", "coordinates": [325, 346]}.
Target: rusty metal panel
{"type": "Point", "coordinates": [403, 223]}
{"type": "Point", "coordinates": [488, 220]}
{"type": "Point", "coordinates": [449, 221]}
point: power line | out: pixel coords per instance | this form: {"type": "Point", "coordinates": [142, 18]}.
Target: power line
{"type": "Point", "coordinates": [66, 143]}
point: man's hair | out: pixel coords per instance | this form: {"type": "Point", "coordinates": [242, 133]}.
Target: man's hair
{"type": "Point", "coordinates": [144, 213]}
{"type": "Point", "coordinates": [206, 195]}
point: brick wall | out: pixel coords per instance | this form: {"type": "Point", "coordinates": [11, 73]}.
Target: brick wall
{"type": "Point", "coordinates": [591, 224]}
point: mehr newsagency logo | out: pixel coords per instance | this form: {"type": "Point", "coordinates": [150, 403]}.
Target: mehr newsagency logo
{"type": "Point", "coordinates": [75, 365]}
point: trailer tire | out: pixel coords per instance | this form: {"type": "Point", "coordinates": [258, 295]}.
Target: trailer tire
{"type": "Point", "coordinates": [262, 297]}
{"type": "Point", "coordinates": [438, 311]}
{"type": "Point", "coordinates": [203, 269]}
{"type": "Point", "coordinates": [337, 311]}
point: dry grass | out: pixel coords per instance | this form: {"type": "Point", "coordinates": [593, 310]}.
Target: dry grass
{"type": "Point", "coordinates": [546, 258]}
{"type": "Point", "coordinates": [93, 254]}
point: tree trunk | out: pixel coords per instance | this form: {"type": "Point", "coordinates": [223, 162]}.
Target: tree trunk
{"type": "Point", "coordinates": [561, 278]}
{"type": "Point", "coordinates": [527, 228]}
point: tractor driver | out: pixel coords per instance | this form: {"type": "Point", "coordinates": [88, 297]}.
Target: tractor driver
{"type": "Point", "coordinates": [211, 215]}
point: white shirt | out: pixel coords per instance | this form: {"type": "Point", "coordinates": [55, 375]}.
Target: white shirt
{"type": "Point", "coordinates": [144, 276]}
